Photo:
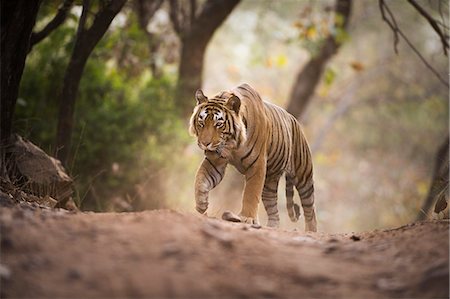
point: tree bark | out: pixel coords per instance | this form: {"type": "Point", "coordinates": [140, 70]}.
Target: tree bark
{"type": "Point", "coordinates": [57, 20]}
{"type": "Point", "coordinates": [85, 42]}
{"type": "Point", "coordinates": [190, 73]}
{"type": "Point", "coordinates": [17, 21]}
{"type": "Point", "coordinates": [309, 77]}
{"type": "Point", "coordinates": [439, 180]}
{"type": "Point", "coordinates": [195, 33]}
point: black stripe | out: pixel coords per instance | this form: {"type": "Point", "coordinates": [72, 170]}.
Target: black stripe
{"type": "Point", "coordinates": [270, 205]}
{"type": "Point", "coordinates": [254, 161]}
{"type": "Point", "coordinates": [249, 152]}
{"type": "Point", "coordinates": [305, 179]}
{"type": "Point", "coordinates": [308, 205]}
{"type": "Point", "coordinates": [206, 158]}
{"type": "Point", "coordinates": [213, 177]}
{"type": "Point", "coordinates": [270, 189]}
{"type": "Point", "coordinates": [307, 193]}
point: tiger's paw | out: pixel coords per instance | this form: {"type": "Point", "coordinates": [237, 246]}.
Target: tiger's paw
{"type": "Point", "coordinates": [249, 220]}
{"type": "Point", "coordinates": [311, 226]}
{"type": "Point", "coordinates": [275, 223]}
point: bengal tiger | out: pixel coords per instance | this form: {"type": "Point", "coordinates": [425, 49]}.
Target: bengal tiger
{"type": "Point", "coordinates": [262, 141]}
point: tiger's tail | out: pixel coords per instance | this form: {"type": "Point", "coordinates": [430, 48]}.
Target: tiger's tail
{"type": "Point", "coordinates": [293, 208]}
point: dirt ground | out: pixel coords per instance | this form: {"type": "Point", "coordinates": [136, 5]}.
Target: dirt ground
{"type": "Point", "coordinates": [166, 254]}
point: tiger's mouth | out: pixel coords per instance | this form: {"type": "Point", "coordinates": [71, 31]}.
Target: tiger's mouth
{"type": "Point", "coordinates": [215, 149]}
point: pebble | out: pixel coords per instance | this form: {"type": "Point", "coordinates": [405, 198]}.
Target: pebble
{"type": "Point", "coordinates": [222, 237]}
{"type": "Point", "coordinates": [170, 249]}
{"type": "Point", "coordinates": [256, 226]}
{"type": "Point", "coordinates": [230, 216]}
{"type": "Point", "coordinates": [355, 238]}
{"type": "Point", "coordinates": [5, 272]}
{"type": "Point", "coordinates": [73, 274]}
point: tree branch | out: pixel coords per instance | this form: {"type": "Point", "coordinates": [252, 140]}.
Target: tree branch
{"type": "Point", "coordinates": [192, 11]}
{"type": "Point", "coordinates": [145, 11]}
{"type": "Point", "coordinates": [57, 20]}
{"type": "Point", "coordinates": [102, 21]}
{"type": "Point", "coordinates": [433, 24]}
{"type": "Point", "coordinates": [212, 14]}
{"type": "Point", "coordinates": [393, 25]}
{"type": "Point", "coordinates": [173, 13]}
{"type": "Point", "coordinates": [83, 17]}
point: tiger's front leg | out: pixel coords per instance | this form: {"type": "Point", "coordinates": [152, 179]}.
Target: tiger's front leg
{"type": "Point", "coordinates": [254, 182]}
{"type": "Point", "coordinates": [208, 176]}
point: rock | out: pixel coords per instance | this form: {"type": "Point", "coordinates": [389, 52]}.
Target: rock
{"type": "Point", "coordinates": [73, 274]}
{"type": "Point", "coordinates": [355, 238]}
{"type": "Point", "coordinates": [38, 173]}
{"type": "Point", "coordinates": [170, 249]}
{"type": "Point", "coordinates": [222, 237]}
{"type": "Point", "coordinates": [330, 248]}
{"type": "Point", "coordinates": [5, 272]}
{"type": "Point", "coordinates": [230, 216]}
{"type": "Point", "coordinates": [256, 225]}
{"type": "Point", "coordinates": [391, 285]}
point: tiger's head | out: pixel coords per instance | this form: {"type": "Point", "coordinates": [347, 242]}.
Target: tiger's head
{"type": "Point", "coordinates": [217, 124]}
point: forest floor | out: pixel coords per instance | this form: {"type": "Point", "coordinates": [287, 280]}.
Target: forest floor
{"type": "Point", "coordinates": [166, 254]}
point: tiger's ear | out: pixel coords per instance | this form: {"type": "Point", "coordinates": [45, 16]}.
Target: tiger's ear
{"type": "Point", "coordinates": [233, 103]}
{"type": "Point", "coordinates": [200, 97]}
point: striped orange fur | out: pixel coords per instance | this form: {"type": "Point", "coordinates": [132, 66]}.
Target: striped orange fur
{"type": "Point", "coordinates": [262, 141]}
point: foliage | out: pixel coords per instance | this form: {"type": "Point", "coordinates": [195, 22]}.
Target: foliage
{"type": "Point", "coordinates": [126, 125]}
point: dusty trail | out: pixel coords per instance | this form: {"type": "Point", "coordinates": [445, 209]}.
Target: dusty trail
{"type": "Point", "coordinates": [166, 254]}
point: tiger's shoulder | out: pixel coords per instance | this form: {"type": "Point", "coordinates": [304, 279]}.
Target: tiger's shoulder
{"type": "Point", "coordinates": [248, 94]}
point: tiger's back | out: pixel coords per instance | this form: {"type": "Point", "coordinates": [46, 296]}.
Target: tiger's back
{"type": "Point", "coordinates": [287, 151]}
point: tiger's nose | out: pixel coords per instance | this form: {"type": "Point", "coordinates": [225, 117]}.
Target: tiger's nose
{"type": "Point", "coordinates": [204, 145]}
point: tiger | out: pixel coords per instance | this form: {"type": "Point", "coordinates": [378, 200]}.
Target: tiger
{"type": "Point", "coordinates": [263, 142]}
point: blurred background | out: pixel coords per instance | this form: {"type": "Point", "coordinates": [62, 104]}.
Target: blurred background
{"type": "Point", "coordinates": [373, 112]}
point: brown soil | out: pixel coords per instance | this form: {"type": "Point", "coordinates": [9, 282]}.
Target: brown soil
{"type": "Point", "coordinates": [165, 254]}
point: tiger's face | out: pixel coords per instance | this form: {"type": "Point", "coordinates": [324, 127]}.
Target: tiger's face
{"type": "Point", "coordinates": [216, 123]}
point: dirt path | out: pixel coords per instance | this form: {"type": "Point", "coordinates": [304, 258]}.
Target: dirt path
{"type": "Point", "coordinates": [165, 254]}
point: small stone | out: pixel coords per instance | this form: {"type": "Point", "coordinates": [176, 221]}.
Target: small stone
{"type": "Point", "coordinates": [222, 237]}
{"type": "Point", "coordinates": [6, 243]}
{"type": "Point", "coordinates": [230, 216]}
{"type": "Point", "coordinates": [329, 249]}
{"type": "Point", "coordinates": [73, 274]}
{"type": "Point", "coordinates": [5, 272]}
{"type": "Point", "coordinates": [355, 238]}
{"type": "Point", "coordinates": [256, 225]}
{"type": "Point", "coordinates": [170, 249]}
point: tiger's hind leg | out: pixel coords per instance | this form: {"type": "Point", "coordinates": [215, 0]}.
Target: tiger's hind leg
{"type": "Point", "coordinates": [305, 188]}
{"type": "Point", "coordinates": [292, 208]}
{"type": "Point", "coordinates": [270, 200]}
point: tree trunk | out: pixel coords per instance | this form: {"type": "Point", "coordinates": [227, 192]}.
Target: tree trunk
{"type": "Point", "coordinates": [195, 32]}
{"type": "Point", "coordinates": [85, 42]}
{"type": "Point", "coordinates": [17, 21]}
{"type": "Point", "coordinates": [190, 73]}
{"type": "Point", "coordinates": [309, 77]}
{"type": "Point", "coordinates": [439, 181]}
{"type": "Point", "coordinates": [69, 93]}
